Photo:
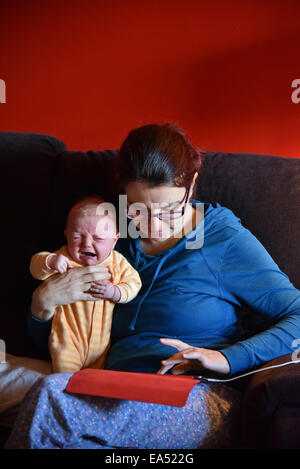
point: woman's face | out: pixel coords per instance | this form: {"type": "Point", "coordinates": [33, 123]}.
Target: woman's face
{"type": "Point", "coordinates": [156, 200]}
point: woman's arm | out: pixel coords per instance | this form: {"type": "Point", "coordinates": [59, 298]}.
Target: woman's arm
{"type": "Point", "coordinates": [250, 276]}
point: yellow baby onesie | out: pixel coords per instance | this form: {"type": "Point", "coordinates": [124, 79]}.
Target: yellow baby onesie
{"type": "Point", "coordinates": [80, 334]}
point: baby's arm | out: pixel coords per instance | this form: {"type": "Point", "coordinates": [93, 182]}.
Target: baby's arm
{"type": "Point", "coordinates": [127, 288]}
{"type": "Point", "coordinates": [106, 290]}
{"type": "Point", "coordinates": [44, 264]}
{"type": "Point", "coordinates": [58, 262]}
{"type": "Point", "coordinates": [39, 268]}
{"type": "Point", "coordinates": [130, 281]}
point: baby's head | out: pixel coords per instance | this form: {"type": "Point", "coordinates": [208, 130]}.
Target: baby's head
{"type": "Point", "coordinates": [91, 231]}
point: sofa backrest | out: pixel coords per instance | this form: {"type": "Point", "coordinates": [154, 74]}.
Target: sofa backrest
{"type": "Point", "coordinates": [264, 192]}
{"type": "Point", "coordinates": [77, 174]}
{"type": "Point", "coordinates": [27, 163]}
{"type": "Point", "coordinates": [41, 180]}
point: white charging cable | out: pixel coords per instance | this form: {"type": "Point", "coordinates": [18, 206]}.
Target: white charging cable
{"type": "Point", "coordinates": [226, 380]}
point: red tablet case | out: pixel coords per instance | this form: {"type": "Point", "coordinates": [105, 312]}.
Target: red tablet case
{"type": "Point", "coordinates": [145, 387]}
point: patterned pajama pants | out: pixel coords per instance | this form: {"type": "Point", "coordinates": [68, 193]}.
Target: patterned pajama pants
{"type": "Point", "coordinates": [52, 418]}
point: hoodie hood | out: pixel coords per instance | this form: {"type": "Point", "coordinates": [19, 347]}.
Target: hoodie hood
{"type": "Point", "coordinates": [193, 240]}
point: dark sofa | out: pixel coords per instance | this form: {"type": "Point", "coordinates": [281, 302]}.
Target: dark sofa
{"type": "Point", "coordinates": [41, 179]}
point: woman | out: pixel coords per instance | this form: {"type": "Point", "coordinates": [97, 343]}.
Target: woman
{"type": "Point", "coordinates": [197, 264]}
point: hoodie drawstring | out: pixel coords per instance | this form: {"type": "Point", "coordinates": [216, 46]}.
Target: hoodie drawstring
{"type": "Point", "coordinates": [137, 260]}
{"type": "Point", "coordinates": [161, 262]}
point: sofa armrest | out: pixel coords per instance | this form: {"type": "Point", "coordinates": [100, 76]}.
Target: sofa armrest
{"type": "Point", "coordinates": [270, 412]}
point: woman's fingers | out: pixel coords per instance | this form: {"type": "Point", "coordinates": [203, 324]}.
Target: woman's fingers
{"type": "Point", "coordinates": [97, 293]}
{"type": "Point", "coordinates": [176, 343]}
{"type": "Point", "coordinates": [90, 297]}
{"type": "Point", "coordinates": [91, 273]}
{"type": "Point", "coordinates": [182, 367]}
{"type": "Point", "coordinates": [99, 286]}
{"type": "Point", "coordinates": [177, 358]}
{"type": "Point", "coordinates": [170, 362]}
{"type": "Point", "coordinates": [100, 283]}
{"type": "Point", "coordinates": [96, 276]}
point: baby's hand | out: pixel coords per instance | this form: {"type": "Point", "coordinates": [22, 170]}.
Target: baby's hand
{"type": "Point", "coordinates": [105, 290]}
{"type": "Point", "coordinates": [58, 262]}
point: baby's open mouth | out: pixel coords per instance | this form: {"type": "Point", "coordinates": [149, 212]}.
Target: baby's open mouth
{"type": "Point", "coordinates": [88, 254]}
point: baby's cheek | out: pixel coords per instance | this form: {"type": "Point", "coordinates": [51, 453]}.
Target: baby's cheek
{"type": "Point", "coordinates": [73, 250]}
{"type": "Point", "coordinates": [104, 250]}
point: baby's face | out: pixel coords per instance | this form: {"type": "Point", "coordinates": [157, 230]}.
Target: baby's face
{"type": "Point", "coordinates": [90, 238]}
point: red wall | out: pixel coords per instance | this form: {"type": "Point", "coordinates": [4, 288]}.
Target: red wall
{"type": "Point", "coordinates": [89, 71]}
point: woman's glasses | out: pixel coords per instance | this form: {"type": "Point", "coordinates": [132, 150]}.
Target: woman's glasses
{"type": "Point", "coordinates": [164, 215]}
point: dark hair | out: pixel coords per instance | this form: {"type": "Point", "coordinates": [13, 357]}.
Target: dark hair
{"type": "Point", "coordinates": [158, 154]}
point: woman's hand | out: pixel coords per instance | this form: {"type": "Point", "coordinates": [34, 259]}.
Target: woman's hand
{"type": "Point", "coordinates": [193, 358]}
{"type": "Point", "coordinates": [62, 289]}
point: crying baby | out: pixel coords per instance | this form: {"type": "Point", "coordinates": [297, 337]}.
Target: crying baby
{"type": "Point", "coordinates": [80, 333]}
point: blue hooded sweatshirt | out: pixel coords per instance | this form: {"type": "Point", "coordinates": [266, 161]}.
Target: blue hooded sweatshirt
{"type": "Point", "coordinates": [194, 292]}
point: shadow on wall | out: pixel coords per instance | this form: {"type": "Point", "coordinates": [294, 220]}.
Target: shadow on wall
{"type": "Point", "coordinates": [251, 92]}
{"type": "Point", "coordinates": [246, 91]}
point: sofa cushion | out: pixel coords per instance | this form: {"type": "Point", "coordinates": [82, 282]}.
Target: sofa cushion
{"type": "Point", "coordinates": [270, 410]}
